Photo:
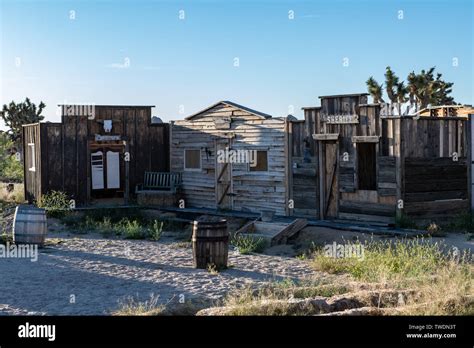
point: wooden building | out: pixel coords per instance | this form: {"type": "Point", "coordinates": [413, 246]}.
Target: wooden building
{"type": "Point", "coordinates": [447, 111]}
{"type": "Point", "coordinates": [363, 166]}
{"type": "Point", "coordinates": [96, 152]}
{"type": "Point", "coordinates": [232, 157]}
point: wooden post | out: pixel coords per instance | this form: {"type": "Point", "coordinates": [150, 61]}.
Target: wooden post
{"type": "Point", "coordinates": [127, 176]}
{"type": "Point", "coordinates": [322, 180]}
{"type": "Point", "coordinates": [88, 179]}
{"type": "Point", "coordinates": [470, 160]}
{"type": "Point", "coordinates": [398, 153]}
{"type": "Point", "coordinates": [289, 165]}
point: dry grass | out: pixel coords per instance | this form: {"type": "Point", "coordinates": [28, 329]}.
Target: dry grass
{"type": "Point", "coordinates": [132, 307]}
{"type": "Point", "coordinates": [409, 277]}
{"type": "Point", "coordinates": [442, 278]}
{"type": "Point", "coordinates": [174, 307]}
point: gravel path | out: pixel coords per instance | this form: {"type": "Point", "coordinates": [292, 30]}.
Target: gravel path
{"type": "Point", "coordinates": [97, 274]}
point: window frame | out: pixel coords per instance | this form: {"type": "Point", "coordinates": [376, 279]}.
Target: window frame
{"type": "Point", "coordinates": [200, 161]}
{"type": "Point", "coordinates": [259, 171]}
{"type": "Point", "coordinates": [357, 167]}
{"type": "Point", "coordinates": [33, 157]}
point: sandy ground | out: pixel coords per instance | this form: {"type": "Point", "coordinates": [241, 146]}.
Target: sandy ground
{"type": "Point", "coordinates": [91, 275]}
{"type": "Point", "coordinates": [100, 273]}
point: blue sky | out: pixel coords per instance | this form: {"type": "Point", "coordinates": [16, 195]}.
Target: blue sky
{"type": "Point", "coordinates": [185, 65]}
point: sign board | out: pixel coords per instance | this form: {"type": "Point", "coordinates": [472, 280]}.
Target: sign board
{"type": "Point", "coordinates": [340, 119]}
{"type": "Point", "coordinates": [99, 137]}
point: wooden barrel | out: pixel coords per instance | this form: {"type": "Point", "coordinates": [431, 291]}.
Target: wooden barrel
{"type": "Point", "coordinates": [29, 225]}
{"type": "Point", "coordinates": [210, 243]}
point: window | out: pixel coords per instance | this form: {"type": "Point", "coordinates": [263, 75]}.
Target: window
{"type": "Point", "coordinates": [192, 159]}
{"type": "Point", "coordinates": [32, 167]}
{"type": "Point", "coordinates": [366, 166]}
{"type": "Point", "coordinates": [262, 162]}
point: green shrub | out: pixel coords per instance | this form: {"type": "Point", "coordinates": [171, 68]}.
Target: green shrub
{"type": "Point", "coordinates": [388, 260]}
{"type": "Point", "coordinates": [156, 230]}
{"type": "Point", "coordinates": [404, 221]}
{"type": "Point", "coordinates": [248, 244]}
{"type": "Point", "coordinates": [56, 203]}
{"type": "Point", "coordinates": [10, 168]}
{"type": "Point", "coordinates": [463, 223]}
{"type": "Point", "coordinates": [131, 229]}
{"type": "Point", "coordinates": [116, 215]}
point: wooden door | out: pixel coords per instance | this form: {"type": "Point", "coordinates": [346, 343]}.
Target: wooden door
{"type": "Point", "coordinates": [223, 177]}
{"type": "Point", "coordinates": [328, 187]}
{"type": "Point", "coordinates": [113, 170]}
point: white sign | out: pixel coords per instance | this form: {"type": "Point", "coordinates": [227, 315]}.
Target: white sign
{"type": "Point", "coordinates": [99, 137]}
{"type": "Point", "coordinates": [340, 119]}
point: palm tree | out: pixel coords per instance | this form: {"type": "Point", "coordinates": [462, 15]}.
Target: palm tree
{"type": "Point", "coordinates": [375, 90]}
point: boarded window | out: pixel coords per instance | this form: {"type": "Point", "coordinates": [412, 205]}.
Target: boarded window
{"type": "Point", "coordinates": [192, 159]}
{"type": "Point", "coordinates": [366, 166]}
{"type": "Point", "coordinates": [262, 162]}
{"type": "Point", "coordinates": [32, 167]}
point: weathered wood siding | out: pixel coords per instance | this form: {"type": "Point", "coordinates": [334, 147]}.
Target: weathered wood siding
{"type": "Point", "coordinates": [64, 149]}
{"type": "Point", "coordinates": [435, 185]}
{"type": "Point", "coordinates": [250, 190]}
{"type": "Point", "coordinates": [304, 166]}
{"type": "Point", "coordinates": [31, 135]}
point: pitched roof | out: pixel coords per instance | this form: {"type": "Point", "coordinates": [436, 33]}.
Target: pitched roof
{"type": "Point", "coordinates": [229, 103]}
{"type": "Point", "coordinates": [343, 95]}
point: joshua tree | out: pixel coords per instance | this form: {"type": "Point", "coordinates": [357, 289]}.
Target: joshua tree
{"type": "Point", "coordinates": [401, 94]}
{"type": "Point", "coordinates": [391, 82]}
{"type": "Point", "coordinates": [422, 89]}
{"type": "Point", "coordinates": [375, 90]}
{"type": "Point", "coordinates": [15, 115]}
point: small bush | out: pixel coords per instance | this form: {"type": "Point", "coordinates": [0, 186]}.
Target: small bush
{"type": "Point", "coordinates": [212, 269]}
{"type": "Point", "coordinates": [248, 244]}
{"type": "Point", "coordinates": [132, 229]}
{"type": "Point", "coordinates": [56, 204]}
{"type": "Point", "coordinates": [132, 307]}
{"type": "Point", "coordinates": [156, 230]}
{"type": "Point", "coordinates": [435, 230]}
{"type": "Point", "coordinates": [387, 260]}
{"type": "Point", "coordinates": [5, 238]}
{"type": "Point", "coordinates": [405, 221]}
{"type": "Point", "coordinates": [462, 223]}
{"type": "Point", "coordinates": [10, 168]}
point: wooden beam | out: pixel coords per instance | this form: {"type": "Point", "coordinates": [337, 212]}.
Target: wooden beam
{"type": "Point", "coordinates": [222, 171]}
{"type": "Point", "coordinates": [397, 151]}
{"type": "Point", "coordinates": [289, 231]}
{"type": "Point", "coordinates": [365, 139]}
{"type": "Point", "coordinates": [329, 191]}
{"type": "Point", "coordinates": [327, 136]}
{"type": "Point", "coordinates": [322, 180]}
{"type": "Point", "coordinates": [224, 194]}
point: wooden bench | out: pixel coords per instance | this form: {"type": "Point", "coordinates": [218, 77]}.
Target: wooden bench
{"type": "Point", "coordinates": [159, 181]}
